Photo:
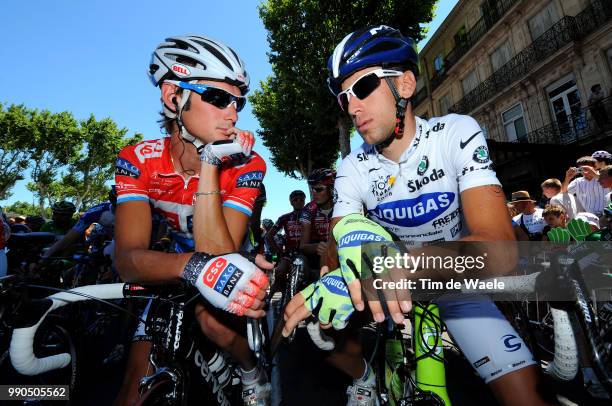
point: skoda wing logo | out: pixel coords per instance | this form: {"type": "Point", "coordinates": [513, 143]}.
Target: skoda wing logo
{"type": "Point", "coordinates": [423, 166]}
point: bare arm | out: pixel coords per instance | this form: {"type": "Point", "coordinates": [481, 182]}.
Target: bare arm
{"type": "Point", "coordinates": [134, 260]}
{"type": "Point", "coordinates": [305, 245]}
{"type": "Point", "coordinates": [486, 215]}
{"type": "Point", "coordinates": [70, 238]}
{"type": "Point", "coordinates": [331, 259]}
{"type": "Point", "coordinates": [269, 237]}
{"type": "Point", "coordinates": [569, 175]}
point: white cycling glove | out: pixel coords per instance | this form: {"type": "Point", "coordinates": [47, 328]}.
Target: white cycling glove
{"type": "Point", "coordinates": [219, 152]}
{"type": "Point", "coordinates": [230, 281]}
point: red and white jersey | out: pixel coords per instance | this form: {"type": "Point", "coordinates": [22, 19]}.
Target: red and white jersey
{"type": "Point", "coordinates": [145, 172]}
{"type": "Point", "coordinates": [290, 222]}
{"type": "Point", "coordinates": [318, 219]}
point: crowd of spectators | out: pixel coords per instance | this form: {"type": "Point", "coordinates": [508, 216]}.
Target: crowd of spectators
{"type": "Point", "coordinates": [584, 193]}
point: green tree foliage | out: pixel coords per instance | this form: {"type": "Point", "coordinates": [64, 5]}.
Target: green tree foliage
{"type": "Point", "coordinates": [94, 164]}
{"type": "Point", "coordinates": [14, 133]}
{"type": "Point", "coordinates": [26, 209]}
{"type": "Point", "coordinates": [56, 142]}
{"type": "Point", "coordinates": [300, 120]}
{"type": "Point", "coordinates": [68, 159]}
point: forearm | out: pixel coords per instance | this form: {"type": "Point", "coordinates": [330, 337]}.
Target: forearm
{"type": "Point", "coordinates": [272, 244]}
{"type": "Point", "coordinates": [59, 246]}
{"type": "Point", "coordinates": [331, 257]}
{"type": "Point", "coordinates": [565, 184]}
{"type": "Point", "coordinates": [210, 231]}
{"type": "Point", "coordinates": [473, 258]}
{"type": "Point", "coordinates": [143, 265]}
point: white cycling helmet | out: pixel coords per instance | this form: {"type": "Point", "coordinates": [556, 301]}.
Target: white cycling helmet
{"type": "Point", "coordinates": [194, 57]}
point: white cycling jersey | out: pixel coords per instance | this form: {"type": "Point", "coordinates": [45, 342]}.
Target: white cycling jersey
{"type": "Point", "coordinates": [418, 198]}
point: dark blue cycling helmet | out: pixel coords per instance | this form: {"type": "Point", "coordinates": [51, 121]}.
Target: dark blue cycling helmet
{"type": "Point", "coordinates": [374, 46]}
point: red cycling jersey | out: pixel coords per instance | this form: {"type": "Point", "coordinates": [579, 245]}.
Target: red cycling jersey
{"type": "Point", "coordinates": [145, 172]}
{"type": "Point", "coordinates": [290, 222]}
{"type": "Point", "coordinates": [318, 219]}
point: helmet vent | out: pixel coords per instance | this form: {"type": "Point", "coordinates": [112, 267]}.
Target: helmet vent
{"type": "Point", "coordinates": [216, 53]}
{"type": "Point", "coordinates": [380, 47]}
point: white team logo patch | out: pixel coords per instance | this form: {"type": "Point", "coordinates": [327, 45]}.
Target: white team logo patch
{"type": "Point", "coordinates": [151, 149]}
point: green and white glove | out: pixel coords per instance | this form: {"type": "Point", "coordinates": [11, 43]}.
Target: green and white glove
{"type": "Point", "coordinates": [579, 229]}
{"type": "Point", "coordinates": [351, 233]}
{"type": "Point", "coordinates": [328, 299]}
{"type": "Point", "coordinates": [559, 234]}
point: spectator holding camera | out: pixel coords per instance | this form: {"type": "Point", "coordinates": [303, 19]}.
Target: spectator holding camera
{"type": "Point", "coordinates": [588, 191]}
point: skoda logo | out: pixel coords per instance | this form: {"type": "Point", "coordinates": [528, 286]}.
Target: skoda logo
{"type": "Point", "coordinates": [423, 165]}
{"type": "Point", "coordinates": [481, 155]}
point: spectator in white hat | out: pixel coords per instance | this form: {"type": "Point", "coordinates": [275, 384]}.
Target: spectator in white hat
{"type": "Point", "coordinates": [603, 158]}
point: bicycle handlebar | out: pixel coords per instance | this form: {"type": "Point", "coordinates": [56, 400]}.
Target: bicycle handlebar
{"type": "Point", "coordinates": [21, 349]}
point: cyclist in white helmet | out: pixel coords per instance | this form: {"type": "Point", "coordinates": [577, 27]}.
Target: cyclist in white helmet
{"type": "Point", "coordinates": [203, 180]}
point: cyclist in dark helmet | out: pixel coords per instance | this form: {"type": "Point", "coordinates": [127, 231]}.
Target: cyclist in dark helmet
{"type": "Point", "coordinates": [62, 218]}
{"type": "Point", "coordinates": [316, 215]}
{"type": "Point", "coordinates": [103, 214]}
{"type": "Point", "coordinates": [35, 222]}
{"type": "Point", "coordinates": [290, 224]}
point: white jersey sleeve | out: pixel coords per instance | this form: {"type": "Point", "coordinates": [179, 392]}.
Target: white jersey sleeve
{"type": "Point", "coordinates": [347, 193]}
{"type": "Point", "coordinates": [468, 153]}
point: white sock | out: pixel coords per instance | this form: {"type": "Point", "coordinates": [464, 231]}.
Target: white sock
{"type": "Point", "coordinates": [249, 376]}
{"type": "Point", "coordinates": [368, 378]}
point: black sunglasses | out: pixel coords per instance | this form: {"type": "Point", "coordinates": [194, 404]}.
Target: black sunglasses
{"type": "Point", "coordinates": [217, 97]}
{"type": "Point", "coordinates": [319, 189]}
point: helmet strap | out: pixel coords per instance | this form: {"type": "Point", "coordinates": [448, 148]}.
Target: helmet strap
{"type": "Point", "coordinates": [401, 104]}
{"type": "Point", "coordinates": [178, 116]}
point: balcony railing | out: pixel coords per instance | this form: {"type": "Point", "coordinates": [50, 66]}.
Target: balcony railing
{"type": "Point", "coordinates": [490, 16]}
{"type": "Point", "coordinates": [565, 31]}
{"type": "Point", "coordinates": [589, 122]}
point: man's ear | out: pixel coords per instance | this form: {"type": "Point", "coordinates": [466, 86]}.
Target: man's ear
{"type": "Point", "coordinates": [407, 84]}
{"type": "Point", "coordinates": [169, 96]}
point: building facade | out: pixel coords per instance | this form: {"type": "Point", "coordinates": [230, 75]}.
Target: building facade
{"type": "Point", "coordinates": [529, 71]}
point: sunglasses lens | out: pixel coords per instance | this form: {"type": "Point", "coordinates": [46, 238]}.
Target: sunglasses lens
{"type": "Point", "coordinates": [366, 85]}
{"type": "Point", "coordinates": [221, 99]}
{"type": "Point", "coordinates": [362, 89]}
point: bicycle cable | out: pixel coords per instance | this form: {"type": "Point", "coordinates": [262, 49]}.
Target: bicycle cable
{"type": "Point", "coordinates": [106, 302]}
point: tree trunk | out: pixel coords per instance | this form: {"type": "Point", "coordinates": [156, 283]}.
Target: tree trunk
{"type": "Point", "coordinates": [344, 138]}
{"type": "Point", "coordinates": [41, 202]}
